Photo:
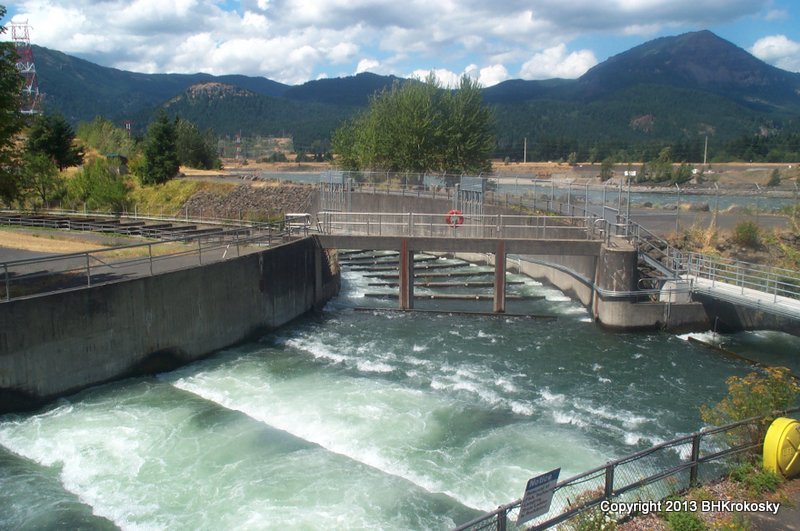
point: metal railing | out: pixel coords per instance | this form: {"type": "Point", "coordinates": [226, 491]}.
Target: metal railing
{"type": "Point", "coordinates": [652, 474]}
{"type": "Point", "coordinates": [769, 280]}
{"type": "Point", "coordinates": [71, 219]}
{"type": "Point", "coordinates": [465, 226]}
{"type": "Point", "coordinates": [39, 276]}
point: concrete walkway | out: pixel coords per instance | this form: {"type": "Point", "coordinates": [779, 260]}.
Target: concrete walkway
{"type": "Point", "coordinates": [768, 302]}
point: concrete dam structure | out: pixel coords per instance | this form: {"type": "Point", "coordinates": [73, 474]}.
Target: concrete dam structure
{"type": "Point", "coordinates": [56, 344]}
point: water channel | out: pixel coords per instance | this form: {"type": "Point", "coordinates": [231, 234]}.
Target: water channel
{"type": "Point", "coordinates": [364, 417]}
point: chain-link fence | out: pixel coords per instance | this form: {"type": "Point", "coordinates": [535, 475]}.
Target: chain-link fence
{"type": "Point", "coordinates": [649, 475]}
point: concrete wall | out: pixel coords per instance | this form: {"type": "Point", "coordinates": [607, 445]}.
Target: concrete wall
{"type": "Point", "coordinates": [728, 317]}
{"type": "Point", "coordinates": [55, 344]}
{"type": "Point", "coordinates": [574, 275]}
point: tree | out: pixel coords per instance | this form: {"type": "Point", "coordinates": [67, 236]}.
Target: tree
{"type": "Point", "coordinates": [98, 187]}
{"type": "Point", "coordinates": [40, 179]}
{"type": "Point", "coordinates": [51, 135]}
{"type": "Point", "coordinates": [419, 127]}
{"type": "Point", "coordinates": [195, 149]}
{"type": "Point", "coordinates": [468, 130]}
{"type": "Point", "coordinates": [12, 120]}
{"type": "Point", "coordinates": [661, 167]}
{"type": "Point", "coordinates": [106, 138]}
{"type": "Point", "coordinates": [606, 169]}
{"type": "Point", "coordinates": [160, 152]}
{"type": "Point", "coordinates": [774, 178]}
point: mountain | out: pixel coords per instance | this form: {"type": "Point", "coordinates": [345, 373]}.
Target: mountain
{"type": "Point", "coordinates": [229, 110]}
{"type": "Point", "coordinates": [354, 90]}
{"type": "Point", "coordinates": [81, 90]}
{"type": "Point", "coordinates": [669, 90]}
{"type": "Point", "coordinates": [699, 61]}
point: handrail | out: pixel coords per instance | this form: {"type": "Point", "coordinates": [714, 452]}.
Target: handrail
{"type": "Point", "coordinates": [81, 263]}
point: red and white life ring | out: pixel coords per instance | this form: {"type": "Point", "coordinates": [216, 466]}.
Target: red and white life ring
{"type": "Point", "coordinates": [454, 218]}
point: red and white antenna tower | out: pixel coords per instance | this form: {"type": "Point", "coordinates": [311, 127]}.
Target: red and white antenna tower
{"type": "Point", "coordinates": [20, 34]}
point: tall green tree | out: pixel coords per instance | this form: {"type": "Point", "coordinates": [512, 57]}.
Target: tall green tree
{"type": "Point", "coordinates": [195, 149]}
{"type": "Point", "coordinates": [11, 122]}
{"type": "Point", "coordinates": [39, 179]}
{"type": "Point", "coordinates": [419, 127]}
{"type": "Point", "coordinates": [51, 135]}
{"type": "Point", "coordinates": [160, 152]}
{"type": "Point", "coordinates": [468, 130]}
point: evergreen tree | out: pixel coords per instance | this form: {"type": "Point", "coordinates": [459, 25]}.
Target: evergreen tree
{"type": "Point", "coordinates": [195, 149]}
{"type": "Point", "coordinates": [12, 122]}
{"type": "Point", "coordinates": [160, 152]}
{"type": "Point", "coordinates": [51, 135]}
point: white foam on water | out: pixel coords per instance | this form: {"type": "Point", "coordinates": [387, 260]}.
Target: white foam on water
{"type": "Point", "coordinates": [626, 418]}
{"type": "Point", "coordinates": [632, 439]}
{"type": "Point", "coordinates": [561, 417]}
{"type": "Point", "coordinates": [374, 366]}
{"type": "Point", "coordinates": [549, 396]}
{"type": "Point", "coordinates": [395, 429]}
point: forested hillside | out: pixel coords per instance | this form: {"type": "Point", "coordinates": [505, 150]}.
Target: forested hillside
{"type": "Point", "coordinates": [673, 91]}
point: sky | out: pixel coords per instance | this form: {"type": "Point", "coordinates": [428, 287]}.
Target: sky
{"type": "Point", "coordinates": [294, 41]}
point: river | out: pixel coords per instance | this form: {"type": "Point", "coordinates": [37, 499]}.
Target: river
{"type": "Point", "coordinates": [363, 417]}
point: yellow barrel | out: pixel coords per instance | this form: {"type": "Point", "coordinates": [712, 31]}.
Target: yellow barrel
{"type": "Point", "coordinates": [782, 447]}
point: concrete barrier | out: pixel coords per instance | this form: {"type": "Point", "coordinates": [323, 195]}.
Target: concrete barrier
{"type": "Point", "coordinates": [56, 344]}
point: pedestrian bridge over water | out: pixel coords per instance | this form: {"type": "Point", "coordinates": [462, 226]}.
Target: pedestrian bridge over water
{"type": "Point", "coordinates": [691, 289]}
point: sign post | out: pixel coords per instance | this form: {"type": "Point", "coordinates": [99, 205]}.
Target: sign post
{"type": "Point", "coordinates": [538, 495]}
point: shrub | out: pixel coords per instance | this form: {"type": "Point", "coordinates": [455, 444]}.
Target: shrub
{"type": "Point", "coordinates": [685, 521]}
{"type": "Point", "coordinates": [755, 479]}
{"type": "Point", "coordinates": [747, 234]}
{"type": "Point", "coordinates": [774, 178]}
{"type": "Point", "coordinates": [752, 396]}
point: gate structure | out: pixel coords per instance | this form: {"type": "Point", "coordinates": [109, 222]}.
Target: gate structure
{"type": "Point", "coordinates": [469, 199]}
{"type": "Point", "coordinates": [335, 191]}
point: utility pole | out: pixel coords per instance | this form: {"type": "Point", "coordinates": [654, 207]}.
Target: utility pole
{"type": "Point", "coordinates": [525, 151]}
{"type": "Point", "coordinates": [705, 152]}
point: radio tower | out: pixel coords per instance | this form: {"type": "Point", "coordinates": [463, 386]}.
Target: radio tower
{"type": "Point", "coordinates": [20, 34]}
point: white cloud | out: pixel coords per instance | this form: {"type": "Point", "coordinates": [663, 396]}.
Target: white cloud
{"type": "Point", "coordinates": [342, 52]}
{"type": "Point", "coordinates": [367, 65]}
{"type": "Point", "coordinates": [778, 50]}
{"type": "Point", "coordinates": [555, 62]}
{"type": "Point", "coordinates": [488, 76]}
{"type": "Point", "coordinates": [492, 75]}
{"type": "Point", "coordinates": [293, 41]}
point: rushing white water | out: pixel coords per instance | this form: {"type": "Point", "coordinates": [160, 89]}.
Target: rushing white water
{"type": "Point", "coordinates": [362, 419]}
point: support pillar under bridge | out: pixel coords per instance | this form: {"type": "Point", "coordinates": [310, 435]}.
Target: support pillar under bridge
{"type": "Point", "coordinates": [407, 277]}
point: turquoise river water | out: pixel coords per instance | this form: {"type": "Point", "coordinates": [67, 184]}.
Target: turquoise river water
{"type": "Point", "coordinates": [361, 418]}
